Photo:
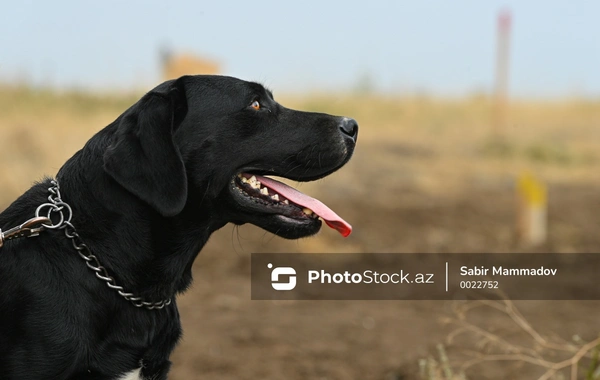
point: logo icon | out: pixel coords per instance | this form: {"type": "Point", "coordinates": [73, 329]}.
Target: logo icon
{"type": "Point", "coordinates": [282, 271]}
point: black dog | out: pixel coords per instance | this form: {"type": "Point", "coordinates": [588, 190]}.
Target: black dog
{"type": "Point", "coordinates": [145, 193]}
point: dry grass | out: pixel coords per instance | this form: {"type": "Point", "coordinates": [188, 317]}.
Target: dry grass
{"type": "Point", "coordinates": [478, 346]}
{"type": "Point", "coordinates": [447, 142]}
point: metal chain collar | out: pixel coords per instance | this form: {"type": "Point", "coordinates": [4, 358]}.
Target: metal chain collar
{"type": "Point", "coordinates": [64, 212]}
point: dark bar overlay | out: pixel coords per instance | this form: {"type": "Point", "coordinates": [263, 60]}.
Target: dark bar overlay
{"type": "Point", "coordinates": [425, 276]}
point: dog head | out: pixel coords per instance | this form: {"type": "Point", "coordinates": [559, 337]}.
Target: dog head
{"type": "Point", "coordinates": [203, 140]}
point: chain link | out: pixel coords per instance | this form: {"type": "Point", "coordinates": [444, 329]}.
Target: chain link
{"type": "Point", "coordinates": [63, 211]}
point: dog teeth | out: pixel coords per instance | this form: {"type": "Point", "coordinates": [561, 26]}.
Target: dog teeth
{"type": "Point", "coordinates": [264, 191]}
{"type": "Point", "coordinates": [286, 202]}
{"type": "Point", "coordinates": [244, 180]}
{"type": "Point", "coordinates": [275, 197]}
{"type": "Point", "coordinates": [307, 211]}
{"type": "Point", "coordinates": [254, 183]}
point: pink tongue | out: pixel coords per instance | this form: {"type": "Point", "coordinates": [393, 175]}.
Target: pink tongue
{"type": "Point", "coordinates": [331, 218]}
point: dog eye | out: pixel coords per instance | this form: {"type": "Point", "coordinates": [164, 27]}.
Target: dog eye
{"type": "Point", "coordinates": [255, 104]}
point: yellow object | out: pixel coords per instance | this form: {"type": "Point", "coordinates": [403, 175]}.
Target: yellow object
{"type": "Point", "coordinates": [532, 191]}
{"type": "Point", "coordinates": [532, 216]}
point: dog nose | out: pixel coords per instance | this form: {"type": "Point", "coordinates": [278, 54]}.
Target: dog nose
{"type": "Point", "coordinates": [349, 127]}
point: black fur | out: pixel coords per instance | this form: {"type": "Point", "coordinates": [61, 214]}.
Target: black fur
{"type": "Point", "coordinates": [147, 191]}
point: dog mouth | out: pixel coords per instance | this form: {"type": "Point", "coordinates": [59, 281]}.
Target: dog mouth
{"type": "Point", "coordinates": [268, 196]}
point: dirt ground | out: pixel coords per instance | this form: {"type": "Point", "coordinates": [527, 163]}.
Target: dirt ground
{"type": "Point", "coordinates": [228, 336]}
{"type": "Point", "coordinates": [426, 177]}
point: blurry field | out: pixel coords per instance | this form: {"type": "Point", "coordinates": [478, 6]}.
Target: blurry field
{"type": "Point", "coordinates": [427, 176]}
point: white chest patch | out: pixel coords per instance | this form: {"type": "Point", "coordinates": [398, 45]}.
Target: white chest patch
{"type": "Point", "coordinates": [133, 375]}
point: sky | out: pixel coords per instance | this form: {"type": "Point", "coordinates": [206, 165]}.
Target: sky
{"type": "Point", "coordinates": [437, 47]}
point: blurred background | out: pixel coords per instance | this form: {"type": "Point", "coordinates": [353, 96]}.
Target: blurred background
{"type": "Point", "coordinates": [480, 132]}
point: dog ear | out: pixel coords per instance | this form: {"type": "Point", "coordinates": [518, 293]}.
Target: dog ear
{"type": "Point", "coordinates": [143, 157]}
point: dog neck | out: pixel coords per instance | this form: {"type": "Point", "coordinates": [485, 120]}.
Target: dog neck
{"type": "Point", "coordinates": [153, 268]}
